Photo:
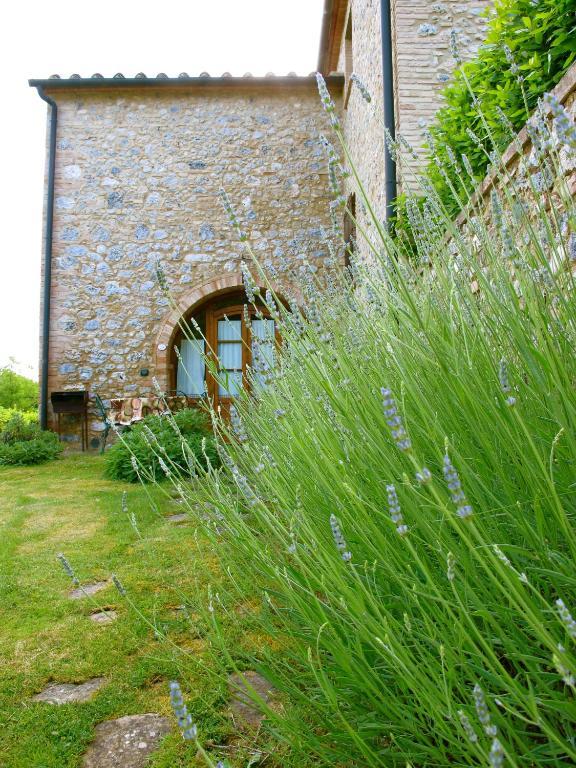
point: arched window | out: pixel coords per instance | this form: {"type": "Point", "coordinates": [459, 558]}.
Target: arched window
{"type": "Point", "coordinates": [238, 338]}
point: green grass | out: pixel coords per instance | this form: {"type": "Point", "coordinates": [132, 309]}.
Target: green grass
{"type": "Point", "coordinates": [68, 507]}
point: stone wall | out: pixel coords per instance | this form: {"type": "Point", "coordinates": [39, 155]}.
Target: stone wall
{"type": "Point", "coordinates": [423, 61]}
{"type": "Point", "coordinates": [362, 122]}
{"type": "Point", "coordinates": [137, 175]}
{"type": "Point", "coordinates": [422, 65]}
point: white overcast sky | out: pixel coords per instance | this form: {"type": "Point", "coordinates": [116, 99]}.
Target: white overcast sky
{"type": "Point", "coordinates": [42, 37]}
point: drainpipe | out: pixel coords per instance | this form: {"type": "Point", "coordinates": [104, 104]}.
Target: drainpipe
{"type": "Point", "coordinates": [47, 260]}
{"type": "Point", "coordinates": [388, 99]}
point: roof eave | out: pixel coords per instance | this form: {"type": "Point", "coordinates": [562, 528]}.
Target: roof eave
{"type": "Point", "coordinates": [52, 84]}
{"type": "Point", "coordinates": [331, 32]}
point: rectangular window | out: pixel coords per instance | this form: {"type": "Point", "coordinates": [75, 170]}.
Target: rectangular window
{"type": "Point", "coordinates": [191, 369]}
{"type": "Point", "coordinates": [230, 356]}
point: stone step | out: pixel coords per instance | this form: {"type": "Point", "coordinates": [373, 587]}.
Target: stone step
{"type": "Point", "coordinates": [126, 742]}
{"type": "Point", "coordinates": [65, 693]}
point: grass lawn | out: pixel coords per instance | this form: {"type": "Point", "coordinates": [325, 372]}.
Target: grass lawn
{"type": "Point", "coordinates": [66, 506]}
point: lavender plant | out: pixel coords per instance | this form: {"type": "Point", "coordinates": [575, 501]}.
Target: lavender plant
{"type": "Point", "coordinates": [439, 630]}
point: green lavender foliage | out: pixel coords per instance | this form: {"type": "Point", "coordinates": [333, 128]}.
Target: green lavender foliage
{"type": "Point", "coordinates": [541, 37]}
{"type": "Point", "coordinates": [410, 546]}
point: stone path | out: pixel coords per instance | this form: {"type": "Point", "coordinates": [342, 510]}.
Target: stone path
{"type": "Point", "coordinates": [180, 518]}
{"type": "Point", "coordinates": [64, 693]}
{"type": "Point", "coordinates": [244, 711]}
{"type": "Point", "coordinates": [105, 616]}
{"type": "Point", "coordinates": [88, 589]}
{"type": "Point", "coordinates": [126, 742]}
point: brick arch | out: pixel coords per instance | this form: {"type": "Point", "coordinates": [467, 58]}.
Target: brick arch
{"type": "Point", "coordinates": [193, 298]}
{"type": "Point", "coordinates": [188, 303]}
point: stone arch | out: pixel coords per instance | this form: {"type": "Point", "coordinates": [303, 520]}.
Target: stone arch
{"type": "Point", "coordinates": [187, 302]}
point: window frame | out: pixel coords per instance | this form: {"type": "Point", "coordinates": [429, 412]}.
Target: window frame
{"type": "Point", "coordinates": [216, 309]}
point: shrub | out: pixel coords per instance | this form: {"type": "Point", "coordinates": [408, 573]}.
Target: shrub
{"type": "Point", "coordinates": [184, 437]}
{"type": "Point", "coordinates": [401, 499]}
{"type": "Point", "coordinates": [23, 442]}
{"type": "Point", "coordinates": [30, 417]}
{"type": "Point", "coordinates": [541, 38]}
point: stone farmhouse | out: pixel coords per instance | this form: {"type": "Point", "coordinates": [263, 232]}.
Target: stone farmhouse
{"type": "Point", "coordinates": [134, 165]}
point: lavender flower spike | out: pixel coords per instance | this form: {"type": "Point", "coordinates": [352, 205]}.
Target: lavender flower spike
{"type": "Point", "coordinates": [505, 384]}
{"type": "Point", "coordinates": [339, 539]}
{"type": "Point", "coordinates": [118, 584]}
{"type": "Point", "coordinates": [395, 511]}
{"type": "Point", "coordinates": [227, 205]}
{"type": "Point", "coordinates": [365, 93]}
{"type": "Point", "coordinates": [496, 756]}
{"type": "Point", "coordinates": [482, 711]}
{"type": "Point", "coordinates": [463, 508]}
{"type": "Point", "coordinates": [454, 48]}
{"type": "Point", "coordinates": [68, 568]}
{"type": "Point", "coordinates": [563, 122]}
{"type": "Point", "coordinates": [326, 100]}
{"type": "Point", "coordinates": [566, 618]}
{"type": "Point", "coordinates": [237, 425]}
{"type": "Point", "coordinates": [394, 421]}
{"type": "Point", "coordinates": [470, 733]}
{"type": "Point", "coordinates": [189, 730]}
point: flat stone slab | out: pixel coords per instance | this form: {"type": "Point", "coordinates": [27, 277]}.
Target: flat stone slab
{"type": "Point", "coordinates": [65, 693]}
{"type": "Point", "coordinates": [106, 616]}
{"type": "Point", "coordinates": [181, 518]}
{"type": "Point", "coordinates": [88, 589]}
{"type": "Point", "coordinates": [126, 742]}
{"type": "Point", "coordinates": [244, 711]}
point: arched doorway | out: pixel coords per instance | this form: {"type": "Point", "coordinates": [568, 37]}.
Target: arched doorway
{"type": "Point", "coordinates": [222, 346]}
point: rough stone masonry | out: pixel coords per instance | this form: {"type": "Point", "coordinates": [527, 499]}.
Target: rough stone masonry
{"type": "Point", "coordinates": [138, 171]}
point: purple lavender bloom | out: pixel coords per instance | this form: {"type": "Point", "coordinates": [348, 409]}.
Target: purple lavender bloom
{"type": "Point", "coordinates": [188, 728]}
{"type": "Point", "coordinates": [463, 508]}
{"type": "Point", "coordinates": [67, 567]}
{"type": "Point", "coordinates": [394, 421]}
{"type": "Point", "coordinates": [396, 511]}
{"type": "Point", "coordinates": [339, 539]}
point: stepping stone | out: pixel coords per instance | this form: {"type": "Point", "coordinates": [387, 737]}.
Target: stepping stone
{"type": "Point", "coordinates": [126, 742]}
{"type": "Point", "coordinates": [106, 616]}
{"type": "Point", "coordinates": [64, 693]}
{"type": "Point", "coordinates": [177, 518]}
{"type": "Point", "coordinates": [88, 589]}
{"type": "Point", "coordinates": [244, 711]}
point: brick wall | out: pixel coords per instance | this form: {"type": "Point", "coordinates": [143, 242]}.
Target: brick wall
{"type": "Point", "coordinates": [137, 175]}
{"type": "Point", "coordinates": [520, 164]}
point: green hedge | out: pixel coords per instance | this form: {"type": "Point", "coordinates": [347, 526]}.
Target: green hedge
{"type": "Point", "coordinates": [542, 38]}
{"type": "Point", "coordinates": [188, 433]}
{"type": "Point", "coordinates": [22, 442]}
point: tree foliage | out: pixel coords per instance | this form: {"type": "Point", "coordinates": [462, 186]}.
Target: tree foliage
{"type": "Point", "coordinates": [541, 37]}
{"type": "Point", "coordinates": [17, 391]}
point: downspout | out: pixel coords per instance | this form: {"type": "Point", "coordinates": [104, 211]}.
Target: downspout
{"type": "Point", "coordinates": [47, 260]}
{"type": "Point", "coordinates": [388, 100]}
